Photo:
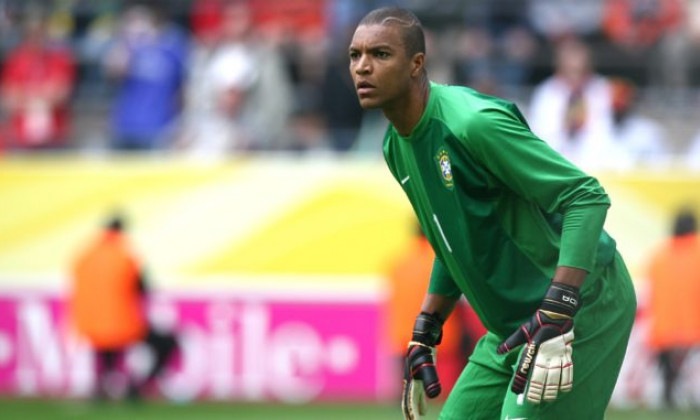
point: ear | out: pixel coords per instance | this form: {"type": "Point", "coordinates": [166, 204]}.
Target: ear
{"type": "Point", "coordinates": [417, 64]}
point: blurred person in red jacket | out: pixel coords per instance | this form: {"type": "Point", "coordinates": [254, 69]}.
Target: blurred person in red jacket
{"type": "Point", "coordinates": [674, 300]}
{"type": "Point", "coordinates": [107, 307]}
{"type": "Point", "coordinates": [637, 24]}
{"type": "Point", "coordinates": [36, 83]}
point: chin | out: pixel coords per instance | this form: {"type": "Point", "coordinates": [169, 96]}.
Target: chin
{"type": "Point", "coordinates": [370, 103]}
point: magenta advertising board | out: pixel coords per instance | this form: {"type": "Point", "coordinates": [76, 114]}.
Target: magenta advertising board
{"type": "Point", "coordinates": [232, 347]}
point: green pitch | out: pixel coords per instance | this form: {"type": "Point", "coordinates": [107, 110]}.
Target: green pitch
{"type": "Point", "coordinates": [35, 409]}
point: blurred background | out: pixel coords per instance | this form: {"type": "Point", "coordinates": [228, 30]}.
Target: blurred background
{"type": "Point", "coordinates": [277, 248]}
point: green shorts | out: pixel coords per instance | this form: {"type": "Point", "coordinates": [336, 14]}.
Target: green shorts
{"type": "Point", "coordinates": [602, 328]}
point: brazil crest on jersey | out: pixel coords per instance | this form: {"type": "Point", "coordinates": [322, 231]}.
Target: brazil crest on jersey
{"type": "Point", "coordinates": [501, 209]}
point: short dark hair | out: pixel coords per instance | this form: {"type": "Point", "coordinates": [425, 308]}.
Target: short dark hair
{"type": "Point", "coordinates": [115, 222]}
{"type": "Point", "coordinates": [685, 222]}
{"type": "Point", "coordinates": [411, 28]}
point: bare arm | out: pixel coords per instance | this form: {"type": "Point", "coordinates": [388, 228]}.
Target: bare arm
{"type": "Point", "coordinates": [570, 276]}
{"type": "Point", "coordinates": [438, 304]}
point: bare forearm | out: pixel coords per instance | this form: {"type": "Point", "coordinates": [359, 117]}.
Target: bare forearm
{"type": "Point", "coordinates": [438, 304]}
{"type": "Point", "coordinates": [570, 276]}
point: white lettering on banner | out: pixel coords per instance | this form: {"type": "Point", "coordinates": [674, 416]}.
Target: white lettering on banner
{"type": "Point", "coordinates": [39, 349]}
{"type": "Point", "coordinates": [341, 355]}
{"type": "Point", "coordinates": [80, 361]}
{"type": "Point", "coordinates": [221, 317]}
{"type": "Point", "coordinates": [286, 362]}
{"type": "Point", "coordinates": [297, 359]}
{"type": "Point", "coordinates": [255, 321]}
{"type": "Point", "coordinates": [189, 380]}
{"type": "Point", "coordinates": [7, 349]}
{"type": "Point", "coordinates": [235, 351]}
{"type": "Point", "coordinates": [46, 361]}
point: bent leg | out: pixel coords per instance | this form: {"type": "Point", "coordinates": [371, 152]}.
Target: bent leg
{"type": "Point", "coordinates": [478, 393]}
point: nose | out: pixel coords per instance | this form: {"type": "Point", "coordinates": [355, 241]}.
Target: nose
{"type": "Point", "coordinates": [363, 65]}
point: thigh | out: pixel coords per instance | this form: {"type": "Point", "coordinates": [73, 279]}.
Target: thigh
{"type": "Point", "coordinates": [480, 389]}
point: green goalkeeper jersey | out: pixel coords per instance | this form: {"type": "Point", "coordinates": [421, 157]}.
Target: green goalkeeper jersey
{"type": "Point", "coordinates": [501, 208]}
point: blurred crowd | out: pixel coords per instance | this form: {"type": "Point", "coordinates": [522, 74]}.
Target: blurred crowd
{"type": "Point", "coordinates": [609, 83]}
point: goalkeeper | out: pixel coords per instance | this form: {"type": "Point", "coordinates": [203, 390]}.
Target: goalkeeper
{"type": "Point", "coordinates": [516, 228]}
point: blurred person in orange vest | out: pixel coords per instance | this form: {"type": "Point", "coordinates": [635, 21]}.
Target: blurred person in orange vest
{"type": "Point", "coordinates": [674, 300]}
{"type": "Point", "coordinates": [107, 306]}
{"type": "Point", "coordinates": [408, 281]}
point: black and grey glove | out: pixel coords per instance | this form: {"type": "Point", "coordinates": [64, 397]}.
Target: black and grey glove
{"type": "Point", "coordinates": [420, 375]}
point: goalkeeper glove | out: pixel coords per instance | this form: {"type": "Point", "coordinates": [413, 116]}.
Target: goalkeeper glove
{"type": "Point", "coordinates": [420, 376]}
{"type": "Point", "coordinates": [545, 365]}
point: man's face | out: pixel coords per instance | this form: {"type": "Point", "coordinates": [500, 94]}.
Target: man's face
{"type": "Point", "coordinates": [379, 66]}
{"type": "Point", "coordinates": [574, 64]}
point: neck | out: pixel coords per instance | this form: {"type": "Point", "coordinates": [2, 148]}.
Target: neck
{"type": "Point", "coordinates": [405, 113]}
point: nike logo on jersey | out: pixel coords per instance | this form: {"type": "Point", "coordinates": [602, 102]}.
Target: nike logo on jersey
{"type": "Point", "coordinates": [515, 418]}
{"type": "Point", "coordinates": [405, 180]}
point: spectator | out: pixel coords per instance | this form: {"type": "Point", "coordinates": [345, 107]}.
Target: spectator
{"type": "Point", "coordinates": [37, 82]}
{"type": "Point", "coordinates": [674, 304]}
{"type": "Point", "coordinates": [692, 155]}
{"type": "Point", "coordinates": [306, 131]}
{"type": "Point", "coordinates": [341, 113]}
{"type": "Point", "coordinates": [518, 46]}
{"type": "Point", "coordinates": [572, 110]}
{"type": "Point", "coordinates": [638, 24]}
{"type": "Point", "coordinates": [559, 19]}
{"type": "Point", "coordinates": [93, 40]}
{"type": "Point", "coordinates": [238, 97]}
{"type": "Point", "coordinates": [642, 137]}
{"type": "Point", "coordinates": [474, 64]}
{"type": "Point", "coordinates": [496, 47]}
{"type": "Point", "coordinates": [221, 73]}
{"type": "Point", "coordinates": [205, 19]}
{"type": "Point", "coordinates": [148, 61]}
{"type": "Point", "coordinates": [107, 308]}
{"type": "Point", "coordinates": [647, 38]}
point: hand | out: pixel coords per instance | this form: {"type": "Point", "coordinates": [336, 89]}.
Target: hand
{"type": "Point", "coordinates": [546, 365]}
{"type": "Point", "coordinates": [420, 376]}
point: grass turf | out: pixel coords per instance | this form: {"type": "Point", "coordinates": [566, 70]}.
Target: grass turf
{"type": "Point", "coordinates": [42, 409]}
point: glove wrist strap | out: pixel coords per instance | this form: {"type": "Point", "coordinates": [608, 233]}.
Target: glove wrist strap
{"type": "Point", "coordinates": [427, 329]}
{"type": "Point", "coordinates": [418, 343]}
{"type": "Point", "coordinates": [562, 299]}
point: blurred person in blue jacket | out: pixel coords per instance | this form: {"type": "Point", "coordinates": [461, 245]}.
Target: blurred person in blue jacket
{"type": "Point", "coordinates": [148, 60]}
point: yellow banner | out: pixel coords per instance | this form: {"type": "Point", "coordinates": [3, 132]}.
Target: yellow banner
{"type": "Point", "coordinates": [311, 216]}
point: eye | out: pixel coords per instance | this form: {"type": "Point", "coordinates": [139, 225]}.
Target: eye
{"type": "Point", "coordinates": [354, 55]}
{"type": "Point", "coordinates": [381, 54]}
